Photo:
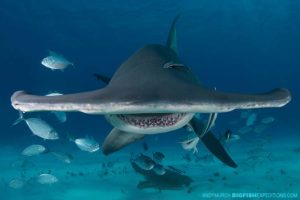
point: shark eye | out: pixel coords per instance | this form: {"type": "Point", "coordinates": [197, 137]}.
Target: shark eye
{"type": "Point", "coordinates": [172, 65]}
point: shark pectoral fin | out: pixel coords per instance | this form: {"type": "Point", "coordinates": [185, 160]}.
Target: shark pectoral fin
{"type": "Point", "coordinates": [212, 143]}
{"type": "Point", "coordinates": [215, 147]}
{"type": "Point", "coordinates": [118, 139]}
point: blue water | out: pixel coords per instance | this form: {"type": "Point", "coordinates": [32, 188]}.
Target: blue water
{"type": "Point", "coordinates": [235, 46]}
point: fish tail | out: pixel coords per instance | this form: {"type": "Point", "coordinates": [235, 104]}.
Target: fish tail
{"type": "Point", "coordinates": [48, 150]}
{"type": "Point", "coordinates": [71, 63]}
{"type": "Point", "coordinates": [20, 119]}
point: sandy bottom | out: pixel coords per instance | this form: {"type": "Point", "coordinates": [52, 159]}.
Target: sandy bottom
{"type": "Point", "coordinates": [265, 167]}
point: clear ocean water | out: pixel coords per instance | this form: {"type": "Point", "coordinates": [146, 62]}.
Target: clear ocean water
{"type": "Point", "coordinates": [245, 46]}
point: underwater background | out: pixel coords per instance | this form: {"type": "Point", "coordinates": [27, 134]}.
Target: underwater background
{"type": "Point", "coordinates": [236, 46]}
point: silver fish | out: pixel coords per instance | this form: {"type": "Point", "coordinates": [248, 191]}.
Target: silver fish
{"type": "Point", "coordinates": [87, 144]}
{"type": "Point", "coordinates": [39, 128]}
{"type": "Point", "coordinates": [158, 157]}
{"type": "Point", "coordinates": [260, 128]}
{"type": "Point", "coordinates": [33, 150]}
{"type": "Point", "coordinates": [46, 179]}
{"type": "Point", "coordinates": [245, 129]}
{"type": "Point", "coordinates": [159, 169]}
{"type": "Point", "coordinates": [233, 138]}
{"type": "Point", "coordinates": [190, 144]}
{"type": "Point", "coordinates": [144, 162]}
{"type": "Point", "coordinates": [56, 62]}
{"type": "Point", "coordinates": [64, 157]}
{"type": "Point", "coordinates": [17, 183]}
{"type": "Point", "coordinates": [267, 120]}
{"type": "Point", "coordinates": [251, 119]}
{"type": "Point", "coordinates": [244, 114]}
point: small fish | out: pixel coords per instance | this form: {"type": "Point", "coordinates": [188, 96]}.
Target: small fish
{"type": "Point", "coordinates": [61, 116]}
{"type": "Point", "coordinates": [229, 137]}
{"type": "Point", "coordinates": [24, 164]}
{"type": "Point", "coordinates": [64, 157]}
{"type": "Point", "coordinates": [260, 128]}
{"type": "Point", "coordinates": [39, 127]}
{"type": "Point", "coordinates": [158, 157]}
{"type": "Point", "coordinates": [267, 120]}
{"type": "Point", "coordinates": [190, 144]}
{"type": "Point", "coordinates": [216, 174]}
{"type": "Point", "coordinates": [46, 179]}
{"type": "Point", "coordinates": [56, 62]}
{"type": "Point", "coordinates": [16, 183]}
{"type": "Point", "coordinates": [245, 129]}
{"type": "Point", "coordinates": [244, 114]}
{"type": "Point", "coordinates": [33, 150]}
{"type": "Point", "coordinates": [282, 172]}
{"type": "Point", "coordinates": [80, 173]}
{"type": "Point", "coordinates": [227, 134]}
{"type": "Point", "coordinates": [234, 138]}
{"type": "Point", "coordinates": [159, 169]}
{"type": "Point", "coordinates": [87, 144]}
{"type": "Point", "coordinates": [144, 162]}
{"type": "Point", "coordinates": [251, 119]}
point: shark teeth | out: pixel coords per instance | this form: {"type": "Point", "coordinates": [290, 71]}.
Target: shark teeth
{"type": "Point", "coordinates": [152, 120]}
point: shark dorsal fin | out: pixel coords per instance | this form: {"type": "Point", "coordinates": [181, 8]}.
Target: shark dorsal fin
{"type": "Point", "coordinates": [172, 38]}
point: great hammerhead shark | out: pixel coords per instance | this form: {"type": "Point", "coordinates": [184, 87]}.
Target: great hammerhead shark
{"type": "Point", "coordinates": [153, 92]}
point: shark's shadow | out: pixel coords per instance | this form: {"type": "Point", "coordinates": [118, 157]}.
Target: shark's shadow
{"type": "Point", "coordinates": [171, 180]}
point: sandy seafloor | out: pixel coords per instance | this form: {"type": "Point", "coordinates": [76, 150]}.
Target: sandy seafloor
{"type": "Point", "coordinates": [266, 165]}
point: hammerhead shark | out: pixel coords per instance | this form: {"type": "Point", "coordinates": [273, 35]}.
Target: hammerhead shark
{"type": "Point", "coordinates": [153, 92]}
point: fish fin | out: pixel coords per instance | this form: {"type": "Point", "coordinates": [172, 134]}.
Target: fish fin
{"type": "Point", "coordinates": [47, 150]}
{"type": "Point", "coordinates": [212, 143]}
{"type": "Point", "coordinates": [172, 37]}
{"type": "Point", "coordinates": [70, 137]}
{"type": "Point", "coordinates": [52, 53]}
{"type": "Point", "coordinates": [58, 116]}
{"type": "Point", "coordinates": [20, 119]}
{"type": "Point", "coordinates": [72, 64]}
{"type": "Point", "coordinates": [195, 150]}
{"type": "Point", "coordinates": [118, 139]}
{"type": "Point", "coordinates": [102, 78]}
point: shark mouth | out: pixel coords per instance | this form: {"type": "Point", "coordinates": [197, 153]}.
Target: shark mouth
{"type": "Point", "coordinates": [152, 120]}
